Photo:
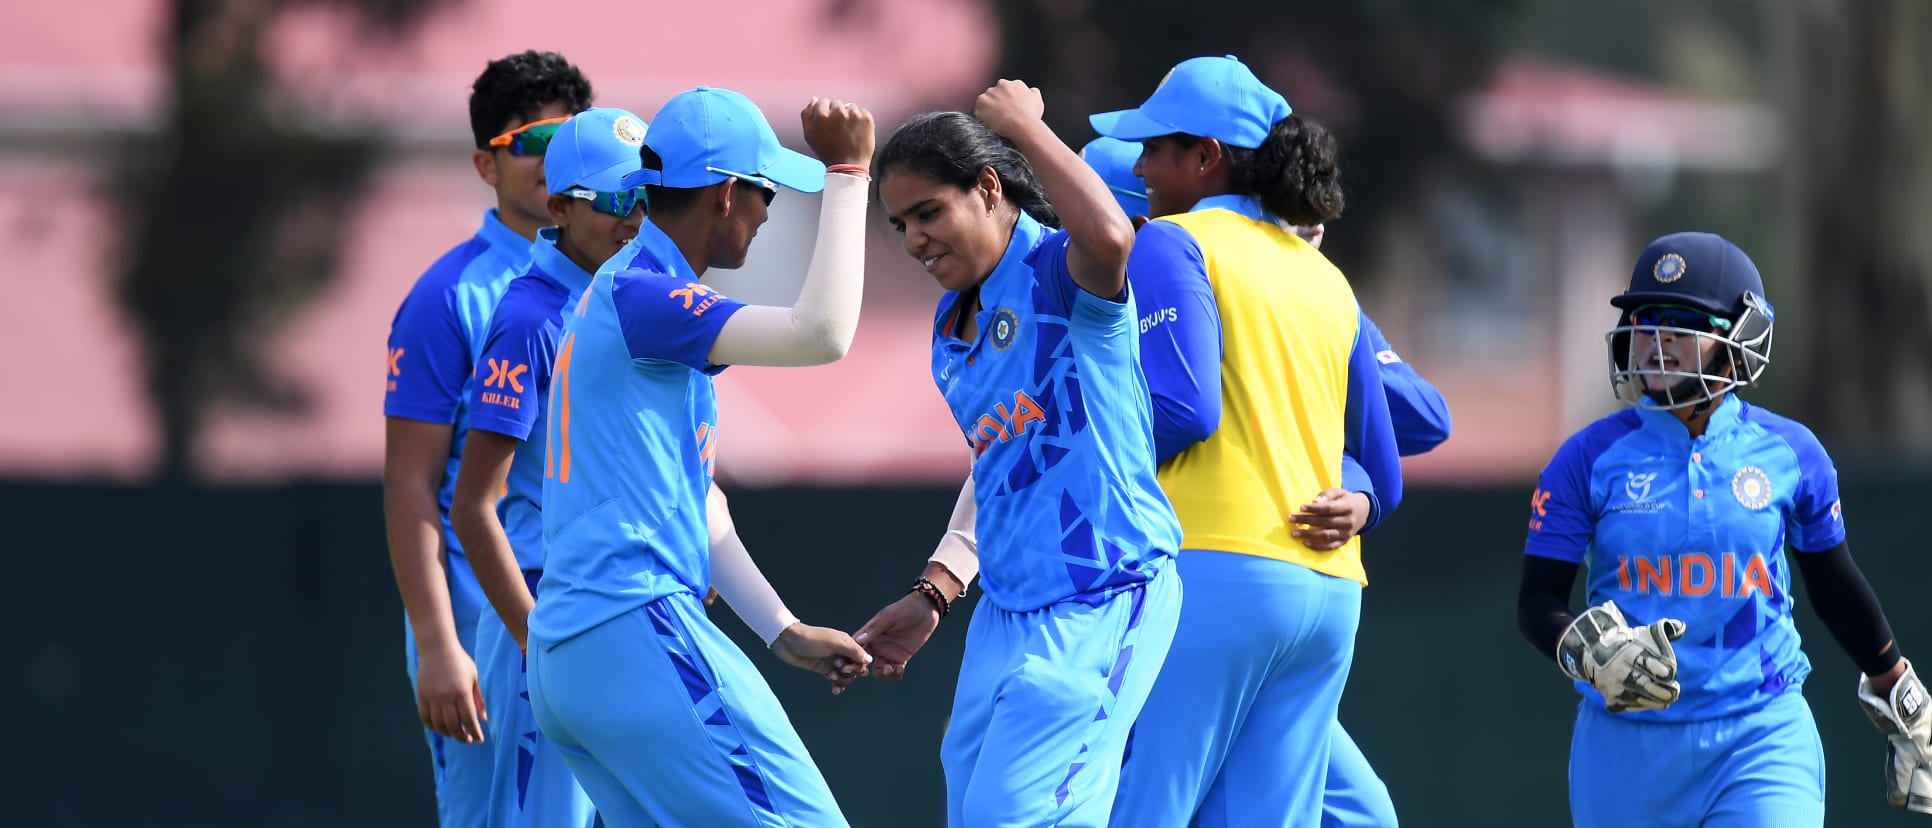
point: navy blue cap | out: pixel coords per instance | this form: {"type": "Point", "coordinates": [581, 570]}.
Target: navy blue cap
{"type": "Point", "coordinates": [1701, 270]}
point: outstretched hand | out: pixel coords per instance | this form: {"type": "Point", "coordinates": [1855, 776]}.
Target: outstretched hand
{"type": "Point", "coordinates": [824, 651]}
{"type": "Point", "coordinates": [895, 634]}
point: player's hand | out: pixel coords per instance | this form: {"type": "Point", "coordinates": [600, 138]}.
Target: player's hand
{"type": "Point", "coordinates": [838, 132]}
{"type": "Point", "coordinates": [711, 597]}
{"type": "Point", "coordinates": [1634, 668]}
{"type": "Point", "coordinates": [1333, 518]}
{"type": "Point", "coordinates": [448, 699]}
{"type": "Point", "coordinates": [897, 632]}
{"type": "Point", "coordinates": [1009, 106]}
{"type": "Point", "coordinates": [824, 651]}
{"type": "Point", "coordinates": [1902, 716]}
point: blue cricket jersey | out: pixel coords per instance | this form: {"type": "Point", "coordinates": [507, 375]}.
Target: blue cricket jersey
{"type": "Point", "coordinates": [632, 439]}
{"type": "Point", "coordinates": [1671, 527]}
{"type": "Point", "coordinates": [515, 369]}
{"type": "Point", "coordinates": [437, 333]}
{"type": "Point", "coordinates": [1051, 400]}
{"type": "Point", "coordinates": [1416, 408]}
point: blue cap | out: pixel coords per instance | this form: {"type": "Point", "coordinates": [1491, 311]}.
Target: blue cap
{"type": "Point", "coordinates": [596, 149]}
{"type": "Point", "coordinates": [1208, 97]}
{"type": "Point", "coordinates": [707, 135]}
{"type": "Point", "coordinates": [1702, 270]}
{"type": "Point", "coordinates": [1114, 159]}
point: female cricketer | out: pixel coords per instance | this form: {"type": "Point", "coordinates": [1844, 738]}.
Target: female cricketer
{"type": "Point", "coordinates": [1265, 389]}
{"type": "Point", "coordinates": [1035, 351]}
{"type": "Point", "coordinates": [662, 719]}
{"type": "Point", "coordinates": [1682, 507]}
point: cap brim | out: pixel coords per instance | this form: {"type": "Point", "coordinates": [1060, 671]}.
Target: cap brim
{"type": "Point", "coordinates": [1129, 125]}
{"type": "Point", "coordinates": [796, 171]}
{"type": "Point", "coordinates": [641, 178]}
{"type": "Point", "coordinates": [1631, 301]}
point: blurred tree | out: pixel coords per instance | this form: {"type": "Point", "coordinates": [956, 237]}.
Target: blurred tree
{"type": "Point", "coordinates": [236, 211]}
{"type": "Point", "coordinates": [1859, 199]}
{"type": "Point", "coordinates": [1386, 76]}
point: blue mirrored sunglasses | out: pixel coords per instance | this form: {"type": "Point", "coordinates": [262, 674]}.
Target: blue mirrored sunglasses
{"type": "Point", "coordinates": [1678, 316]}
{"type": "Point", "coordinates": [610, 204]}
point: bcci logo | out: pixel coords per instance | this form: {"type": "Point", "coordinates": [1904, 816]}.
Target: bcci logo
{"type": "Point", "coordinates": [1668, 269]}
{"type": "Point", "coordinates": [628, 130]}
{"type": "Point", "coordinates": [1006, 325]}
{"type": "Point", "coordinates": [1752, 487]}
{"type": "Point", "coordinates": [1637, 486]}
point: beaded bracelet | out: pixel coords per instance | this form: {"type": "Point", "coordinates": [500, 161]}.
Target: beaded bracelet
{"type": "Point", "coordinates": [932, 593]}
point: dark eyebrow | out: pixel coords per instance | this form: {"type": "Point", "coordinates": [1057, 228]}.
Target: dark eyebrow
{"type": "Point", "coordinates": [900, 216]}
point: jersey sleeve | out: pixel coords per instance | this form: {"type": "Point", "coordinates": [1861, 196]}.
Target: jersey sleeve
{"type": "Point", "coordinates": [429, 359]}
{"type": "Point", "coordinates": [1816, 521]}
{"type": "Point", "coordinates": [670, 319]}
{"type": "Point", "coordinates": [1050, 273]}
{"type": "Point", "coordinates": [1180, 336]}
{"type": "Point", "coordinates": [1420, 415]}
{"type": "Point", "coordinates": [1356, 479]}
{"type": "Point", "coordinates": [1368, 433]}
{"type": "Point", "coordinates": [1562, 518]}
{"type": "Point", "coordinates": [511, 375]}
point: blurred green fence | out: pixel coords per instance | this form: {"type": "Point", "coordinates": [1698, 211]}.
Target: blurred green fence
{"type": "Point", "coordinates": [234, 657]}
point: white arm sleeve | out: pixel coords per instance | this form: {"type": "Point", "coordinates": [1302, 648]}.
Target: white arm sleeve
{"type": "Point", "coordinates": [737, 578]}
{"type": "Point", "coordinates": [958, 550]}
{"type": "Point", "coordinates": [818, 329]}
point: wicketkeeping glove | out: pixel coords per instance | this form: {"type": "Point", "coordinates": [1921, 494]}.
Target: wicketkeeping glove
{"type": "Point", "coordinates": [1907, 725]}
{"type": "Point", "coordinates": [1634, 669]}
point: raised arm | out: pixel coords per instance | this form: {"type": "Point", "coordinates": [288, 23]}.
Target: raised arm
{"type": "Point", "coordinates": [1098, 233]}
{"type": "Point", "coordinates": [818, 328]}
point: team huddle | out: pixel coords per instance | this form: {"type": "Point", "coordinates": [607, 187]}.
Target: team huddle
{"type": "Point", "coordinates": [1180, 422]}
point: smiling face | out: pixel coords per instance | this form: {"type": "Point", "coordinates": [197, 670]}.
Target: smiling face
{"type": "Point", "coordinates": [958, 235]}
{"type": "Point", "coordinates": [1176, 171]}
{"type": "Point", "coordinates": [589, 236]}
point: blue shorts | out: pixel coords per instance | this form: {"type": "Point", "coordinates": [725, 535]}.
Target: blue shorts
{"type": "Point", "coordinates": [1045, 702]}
{"type": "Point", "coordinates": [1762, 769]}
{"type": "Point", "coordinates": [530, 786]}
{"type": "Point", "coordinates": [462, 771]}
{"type": "Point", "coordinates": [666, 722]}
{"type": "Point", "coordinates": [1240, 726]}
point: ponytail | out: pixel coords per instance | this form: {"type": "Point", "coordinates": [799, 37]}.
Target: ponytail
{"type": "Point", "coordinates": [1294, 172]}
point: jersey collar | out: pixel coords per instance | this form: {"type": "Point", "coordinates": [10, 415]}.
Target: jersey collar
{"type": "Point", "coordinates": [1727, 415]}
{"type": "Point", "coordinates": [1246, 206]}
{"type": "Point", "coordinates": [661, 252]}
{"type": "Point", "coordinates": [501, 238]}
{"type": "Point", "coordinates": [551, 263]}
{"type": "Point", "coordinates": [1026, 236]}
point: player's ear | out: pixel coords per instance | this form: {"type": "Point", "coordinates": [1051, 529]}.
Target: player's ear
{"type": "Point", "coordinates": [1204, 154]}
{"type": "Point", "coordinates": [987, 191]}
{"type": "Point", "coordinates": [558, 205]}
{"type": "Point", "coordinates": [722, 193]}
{"type": "Point", "coordinates": [485, 162]}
